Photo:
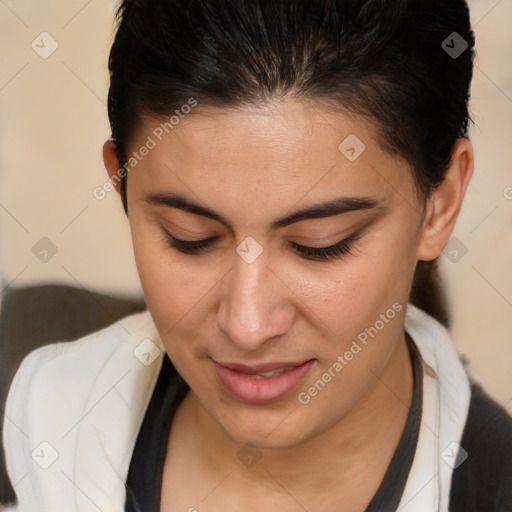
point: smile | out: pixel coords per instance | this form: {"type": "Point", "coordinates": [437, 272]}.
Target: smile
{"type": "Point", "coordinates": [263, 383]}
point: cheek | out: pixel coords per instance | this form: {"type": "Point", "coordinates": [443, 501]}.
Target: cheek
{"type": "Point", "coordinates": [383, 274]}
{"type": "Point", "coordinates": [173, 295]}
{"type": "Point", "coordinates": [349, 299]}
{"type": "Point", "coordinates": [363, 309]}
{"type": "Point", "coordinates": [172, 290]}
{"type": "Point", "coordinates": [348, 296]}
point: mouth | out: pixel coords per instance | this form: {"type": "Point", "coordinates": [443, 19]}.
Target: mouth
{"type": "Point", "coordinates": [262, 383]}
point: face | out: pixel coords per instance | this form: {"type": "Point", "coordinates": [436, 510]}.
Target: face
{"type": "Point", "coordinates": [252, 294]}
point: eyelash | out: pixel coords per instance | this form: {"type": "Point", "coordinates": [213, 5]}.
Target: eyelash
{"type": "Point", "coordinates": [341, 248]}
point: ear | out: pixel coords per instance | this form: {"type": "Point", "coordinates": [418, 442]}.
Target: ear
{"type": "Point", "coordinates": [112, 164]}
{"type": "Point", "coordinates": [444, 204]}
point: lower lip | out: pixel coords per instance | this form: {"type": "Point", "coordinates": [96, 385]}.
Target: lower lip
{"type": "Point", "coordinates": [259, 391]}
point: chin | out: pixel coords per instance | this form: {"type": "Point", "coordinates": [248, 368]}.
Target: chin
{"type": "Point", "coordinates": [265, 430]}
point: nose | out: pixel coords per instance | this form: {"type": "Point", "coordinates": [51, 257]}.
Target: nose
{"type": "Point", "coordinates": [255, 304]}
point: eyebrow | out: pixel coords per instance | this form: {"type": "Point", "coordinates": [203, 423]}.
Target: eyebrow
{"type": "Point", "coordinates": [328, 208]}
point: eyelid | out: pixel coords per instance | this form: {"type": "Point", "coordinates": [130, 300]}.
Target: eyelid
{"type": "Point", "coordinates": [185, 231]}
{"type": "Point", "coordinates": [347, 239]}
{"type": "Point", "coordinates": [203, 241]}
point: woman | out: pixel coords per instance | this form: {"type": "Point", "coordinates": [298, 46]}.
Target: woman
{"type": "Point", "coordinates": [291, 171]}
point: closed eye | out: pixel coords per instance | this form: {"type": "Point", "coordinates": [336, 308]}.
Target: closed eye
{"type": "Point", "coordinates": [341, 248]}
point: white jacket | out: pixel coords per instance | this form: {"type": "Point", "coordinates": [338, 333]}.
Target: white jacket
{"type": "Point", "coordinates": [74, 410]}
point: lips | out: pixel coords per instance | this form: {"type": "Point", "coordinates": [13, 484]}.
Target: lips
{"type": "Point", "coordinates": [264, 382]}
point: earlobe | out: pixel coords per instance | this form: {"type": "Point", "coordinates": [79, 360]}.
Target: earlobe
{"type": "Point", "coordinates": [111, 163]}
{"type": "Point", "coordinates": [445, 203]}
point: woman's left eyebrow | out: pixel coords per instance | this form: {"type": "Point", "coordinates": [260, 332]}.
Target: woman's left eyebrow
{"type": "Point", "coordinates": [329, 208]}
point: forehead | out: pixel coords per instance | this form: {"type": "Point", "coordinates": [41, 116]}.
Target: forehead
{"type": "Point", "coordinates": [261, 154]}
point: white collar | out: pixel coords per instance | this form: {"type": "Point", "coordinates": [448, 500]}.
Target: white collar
{"type": "Point", "coordinates": [446, 397]}
{"type": "Point", "coordinates": [94, 454]}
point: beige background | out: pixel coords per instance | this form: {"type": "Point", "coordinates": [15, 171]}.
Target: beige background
{"type": "Point", "coordinates": [54, 121]}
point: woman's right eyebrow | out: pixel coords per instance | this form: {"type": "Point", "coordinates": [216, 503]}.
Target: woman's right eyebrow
{"type": "Point", "coordinates": [329, 208]}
